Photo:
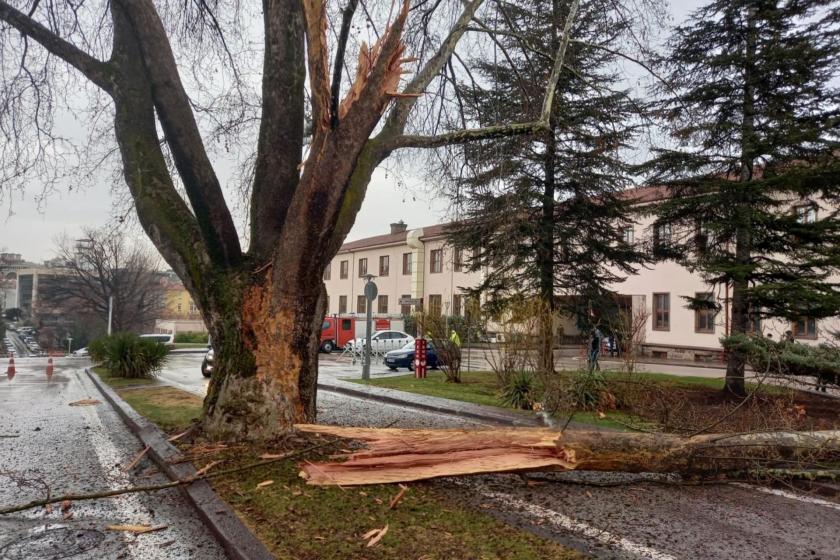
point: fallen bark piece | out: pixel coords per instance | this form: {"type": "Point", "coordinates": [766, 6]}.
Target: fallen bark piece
{"type": "Point", "coordinates": [375, 535]}
{"type": "Point", "coordinates": [265, 483]}
{"type": "Point", "coordinates": [136, 528]}
{"type": "Point", "coordinates": [400, 455]}
{"type": "Point", "coordinates": [85, 402]}
{"type": "Point", "coordinates": [396, 499]}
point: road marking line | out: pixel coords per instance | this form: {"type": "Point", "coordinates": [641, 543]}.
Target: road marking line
{"type": "Point", "coordinates": [788, 495]}
{"type": "Point", "coordinates": [565, 522]}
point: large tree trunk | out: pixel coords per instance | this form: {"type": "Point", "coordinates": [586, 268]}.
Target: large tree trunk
{"type": "Point", "coordinates": [734, 383]}
{"type": "Point", "coordinates": [265, 341]}
{"type": "Point", "coordinates": [396, 455]}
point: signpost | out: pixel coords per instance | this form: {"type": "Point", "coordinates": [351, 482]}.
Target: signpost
{"type": "Point", "coordinates": [420, 355]}
{"type": "Point", "coordinates": [371, 291]}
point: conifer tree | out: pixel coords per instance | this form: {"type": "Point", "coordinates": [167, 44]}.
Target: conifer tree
{"type": "Point", "coordinates": [542, 215]}
{"type": "Point", "coordinates": [752, 106]}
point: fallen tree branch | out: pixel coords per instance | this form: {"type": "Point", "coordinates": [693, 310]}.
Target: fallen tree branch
{"type": "Point", "coordinates": [156, 487]}
{"type": "Point", "coordinates": [397, 455]}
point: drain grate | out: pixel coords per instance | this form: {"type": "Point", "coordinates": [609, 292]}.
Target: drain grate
{"type": "Point", "coordinates": [52, 544]}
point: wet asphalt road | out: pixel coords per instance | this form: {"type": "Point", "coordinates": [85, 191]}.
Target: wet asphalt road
{"type": "Point", "coordinates": [634, 521]}
{"type": "Point", "coordinates": [48, 446]}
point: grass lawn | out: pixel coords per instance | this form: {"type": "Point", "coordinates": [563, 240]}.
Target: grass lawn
{"type": "Point", "coordinates": [119, 382]}
{"type": "Point", "coordinates": [203, 345]}
{"type": "Point", "coordinates": [170, 408]}
{"type": "Point", "coordinates": [479, 387]}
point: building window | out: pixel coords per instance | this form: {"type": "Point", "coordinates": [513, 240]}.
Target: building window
{"type": "Point", "coordinates": [193, 308]}
{"type": "Point", "coordinates": [806, 327]}
{"type": "Point", "coordinates": [342, 304]}
{"type": "Point", "coordinates": [704, 317]}
{"type": "Point", "coordinates": [435, 304]}
{"type": "Point", "coordinates": [457, 304]}
{"type": "Point", "coordinates": [382, 306]}
{"type": "Point", "coordinates": [384, 265]}
{"type": "Point", "coordinates": [406, 264]}
{"type": "Point", "coordinates": [344, 270]}
{"type": "Point", "coordinates": [661, 239]}
{"type": "Point", "coordinates": [627, 235]}
{"type": "Point", "coordinates": [704, 237]}
{"type": "Point", "coordinates": [328, 271]}
{"type": "Point", "coordinates": [361, 304]}
{"type": "Point", "coordinates": [436, 258]}
{"type": "Point", "coordinates": [661, 312]}
{"type": "Point", "coordinates": [328, 305]}
{"type": "Point", "coordinates": [362, 268]}
{"type": "Point", "coordinates": [405, 309]}
{"type": "Point", "coordinates": [806, 214]}
{"type": "Point", "coordinates": [458, 260]}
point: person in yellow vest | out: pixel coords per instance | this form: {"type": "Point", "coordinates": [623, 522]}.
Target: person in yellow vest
{"type": "Point", "coordinates": [454, 338]}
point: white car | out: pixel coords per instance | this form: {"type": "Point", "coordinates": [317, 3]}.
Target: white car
{"type": "Point", "coordinates": [383, 341]}
{"type": "Point", "coordinates": [164, 338]}
{"type": "Point", "coordinates": [81, 352]}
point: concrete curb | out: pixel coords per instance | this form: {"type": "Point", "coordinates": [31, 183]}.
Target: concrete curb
{"type": "Point", "coordinates": [237, 540]}
{"type": "Point", "coordinates": [422, 402]}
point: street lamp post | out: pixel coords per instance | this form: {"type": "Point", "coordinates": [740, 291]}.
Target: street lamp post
{"type": "Point", "coordinates": [69, 342]}
{"type": "Point", "coordinates": [371, 292]}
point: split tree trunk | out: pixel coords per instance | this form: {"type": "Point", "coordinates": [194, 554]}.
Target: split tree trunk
{"type": "Point", "coordinates": [396, 455]}
{"type": "Point", "coordinates": [266, 360]}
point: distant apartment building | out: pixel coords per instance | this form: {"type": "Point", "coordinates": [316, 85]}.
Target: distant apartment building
{"type": "Point", "coordinates": [419, 264]}
{"type": "Point", "coordinates": [406, 264]}
{"type": "Point", "coordinates": [10, 264]}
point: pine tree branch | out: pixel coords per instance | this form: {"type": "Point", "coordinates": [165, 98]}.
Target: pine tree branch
{"type": "Point", "coordinates": [95, 70]}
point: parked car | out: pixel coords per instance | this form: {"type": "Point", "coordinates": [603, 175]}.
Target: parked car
{"type": "Point", "coordinates": [164, 338]}
{"type": "Point", "coordinates": [207, 364]}
{"type": "Point", "coordinates": [383, 341]}
{"type": "Point", "coordinates": [404, 357]}
{"type": "Point", "coordinates": [81, 352]}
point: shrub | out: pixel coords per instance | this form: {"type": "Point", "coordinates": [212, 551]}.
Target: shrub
{"type": "Point", "coordinates": [128, 355]}
{"type": "Point", "coordinates": [191, 337]}
{"type": "Point", "coordinates": [518, 392]}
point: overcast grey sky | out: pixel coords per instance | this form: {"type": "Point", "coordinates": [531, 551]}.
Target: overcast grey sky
{"type": "Point", "coordinates": [30, 225]}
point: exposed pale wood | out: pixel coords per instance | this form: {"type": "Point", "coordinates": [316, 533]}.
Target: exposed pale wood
{"type": "Point", "coordinates": [396, 455]}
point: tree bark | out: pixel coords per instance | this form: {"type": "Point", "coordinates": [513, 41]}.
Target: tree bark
{"type": "Point", "coordinates": [266, 357]}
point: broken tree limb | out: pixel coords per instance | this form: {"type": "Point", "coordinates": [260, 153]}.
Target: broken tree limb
{"type": "Point", "coordinates": [397, 455]}
{"type": "Point", "coordinates": [155, 487]}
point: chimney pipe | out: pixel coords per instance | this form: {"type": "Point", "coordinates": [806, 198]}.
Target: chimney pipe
{"type": "Point", "coordinates": [398, 227]}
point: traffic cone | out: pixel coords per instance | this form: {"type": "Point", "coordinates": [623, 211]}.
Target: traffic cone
{"type": "Point", "coordinates": [10, 371]}
{"type": "Point", "coordinates": [49, 368]}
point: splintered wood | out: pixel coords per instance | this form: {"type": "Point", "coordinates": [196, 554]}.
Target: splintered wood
{"type": "Point", "coordinates": [397, 455]}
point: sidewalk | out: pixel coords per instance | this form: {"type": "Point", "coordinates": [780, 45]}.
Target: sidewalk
{"type": "Point", "coordinates": [49, 447]}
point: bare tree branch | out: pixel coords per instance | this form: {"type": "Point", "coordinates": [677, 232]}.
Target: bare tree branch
{"type": "Point", "coordinates": [496, 131]}
{"type": "Point", "coordinates": [95, 70]}
{"type": "Point", "coordinates": [335, 89]}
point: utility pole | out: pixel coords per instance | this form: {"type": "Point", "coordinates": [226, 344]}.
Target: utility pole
{"type": "Point", "coordinates": [371, 292]}
{"type": "Point", "coordinates": [110, 313]}
{"type": "Point", "coordinates": [69, 342]}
